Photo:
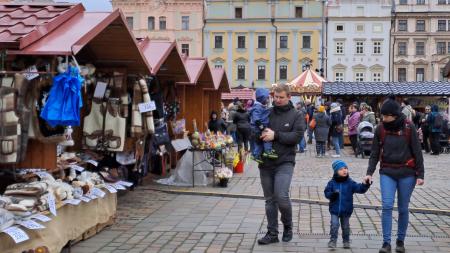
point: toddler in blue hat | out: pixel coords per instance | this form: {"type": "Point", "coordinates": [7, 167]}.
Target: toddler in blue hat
{"type": "Point", "coordinates": [339, 191]}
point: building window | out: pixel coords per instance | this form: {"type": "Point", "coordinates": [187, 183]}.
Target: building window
{"type": "Point", "coordinates": [377, 28]}
{"type": "Point", "coordinates": [403, 2]}
{"type": "Point", "coordinates": [151, 23]}
{"type": "Point", "coordinates": [217, 66]}
{"type": "Point", "coordinates": [359, 28]}
{"type": "Point", "coordinates": [420, 48]}
{"type": "Point", "coordinates": [420, 25]}
{"type": "Point", "coordinates": [306, 41]}
{"type": "Point", "coordinates": [441, 47]}
{"type": "Point", "coordinates": [162, 23]}
{"type": "Point", "coordinates": [185, 23]}
{"type": "Point", "coordinates": [360, 11]}
{"type": "Point", "coordinates": [241, 42]}
{"type": "Point", "coordinates": [441, 75]}
{"type": "Point", "coordinates": [185, 49]}
{"type": "Point", "coordinates": [339, 76]}
{"type": "Point", "coordinates": [403, 25]}
{"type": "Point", "coordinates": [238, 12]}
{"type": "Point", "coordinates": [298, 12]}
{"type": "Point", "coordinates": [448, 24]}
{"type": "Point", "coordinates": [377, 47]}
{"type": "Point", "coordinates": [284, 41]}
{"type": "Point", "coordinates": [283, 72]}
{"type": "Point", "coordinates": [402, 48]}
{"type": "Point", "coordinates": [442, 25]}
{"type": "Point", "coordinates": [261, 41]}
{"type": "Point", "coordinates": [130, 22]}
{"type": "Point", "coordinates": [448, 47]}
{"type": "Point", "coordinates": [442, 1]}
{"type": "Point", "coordinates": [420, 2]}
{"type": "Point", "coordinates": [261, 72]}
{"type": "Point", "coordinates": [376, 76]}
{"type": "Point", "coordinates": [360, 47]}
{"type": "Point", "coordinates": [218, 43]}
{"type": "Point", "coordinates": [241, 72]}
{"type": "Point", "coordinates": [359, 77]}
{"type": "Point", "coordinates": [339, 28]}
{"type": "Point", "coordinates": [401, 74]}
{"type": "Point", "coordinates": [339, 46]}
{"type": "Point", "coordinates": [420, 74]}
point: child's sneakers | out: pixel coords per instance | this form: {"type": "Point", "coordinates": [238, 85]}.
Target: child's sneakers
{"type": "Point", "coordinates": [257, 159]}
{"type": "Point", "coordinates": [270, 155]}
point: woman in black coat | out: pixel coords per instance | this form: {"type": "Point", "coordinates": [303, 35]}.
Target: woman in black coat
{"type": "Point", "coordinates": [242, 120]}
{"type": "Point", "coordinates": [216, 124]}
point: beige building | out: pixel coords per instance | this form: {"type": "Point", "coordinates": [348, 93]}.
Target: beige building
{"type": "Point", "coordinates": [166, 20]}
{"type": "Point", "coordinates": [420, 38]}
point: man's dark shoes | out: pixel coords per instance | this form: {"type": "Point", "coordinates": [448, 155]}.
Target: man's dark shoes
{"type": "Point", "coordinates": [268, 239]}
{"type": "Point", "coordinates": [287, 234]}
{"type": "Point", "coordinates": [347, 245]}
{"type": "Point", "coordinates": [332, 244]}
{"type": "Point", "coordinates": [386, 248]}
{"type": "Point", "coordinates": [400, 247]}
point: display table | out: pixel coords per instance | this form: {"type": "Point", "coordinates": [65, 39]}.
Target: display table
{"type": "Point", "coordinates": [212, 156]}
{"type": "Point", "coordinates": [70, 224]}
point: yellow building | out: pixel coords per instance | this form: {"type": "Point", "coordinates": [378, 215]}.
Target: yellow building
{"type": "Point", "coordinates": [261, 42]}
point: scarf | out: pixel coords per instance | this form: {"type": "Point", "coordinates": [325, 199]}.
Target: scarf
{"type": "Point", "coordinates": [395, 125]}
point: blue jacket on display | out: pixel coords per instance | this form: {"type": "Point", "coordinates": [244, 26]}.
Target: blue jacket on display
{"type": "Point", "coordinates": [64, 101]}
{"type": "Point", "coordinates": [340, 192]}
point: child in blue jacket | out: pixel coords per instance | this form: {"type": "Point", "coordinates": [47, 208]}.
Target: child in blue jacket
{"type": "Point", "coordinates": [340, 192]}
{"type": "Point", "coordinates": [259, 120]}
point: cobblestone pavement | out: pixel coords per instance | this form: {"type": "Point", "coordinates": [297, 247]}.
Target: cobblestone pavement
{"type": "Point", "coordinates": [155, 221]}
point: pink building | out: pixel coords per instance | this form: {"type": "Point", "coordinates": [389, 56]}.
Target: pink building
{"type": "Point", "coordinates": [166, 20]}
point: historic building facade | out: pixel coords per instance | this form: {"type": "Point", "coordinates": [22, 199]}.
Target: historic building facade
{"type": "Point", "coordinates": [358, 40]}
{"type": "Point", "coordinates": [420, 39]}
{"type": "Point", "coordinates": [261, 42]}
{"type": "Point", "coordinates": [166, 20]}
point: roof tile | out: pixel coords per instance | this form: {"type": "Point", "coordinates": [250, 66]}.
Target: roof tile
{"type": "Point", "coordinates": [426, 88]}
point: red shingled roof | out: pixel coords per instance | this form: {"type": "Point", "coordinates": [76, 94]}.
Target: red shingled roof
{"type": "Point", "coordinates": [22, 25]}
{"type": "Point", "coordinates": [242, 94]}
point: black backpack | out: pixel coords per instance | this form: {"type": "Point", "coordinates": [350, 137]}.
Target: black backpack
{"type": "Point", "coordinates": [438, 121]}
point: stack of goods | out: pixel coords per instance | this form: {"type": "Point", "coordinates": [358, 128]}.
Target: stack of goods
{"type": "Point", "coordinates": [211, 141]}
{"type": "Point", "coordinates": [24, 199]}
{"type": "Point", "coordinates": [6, 217]}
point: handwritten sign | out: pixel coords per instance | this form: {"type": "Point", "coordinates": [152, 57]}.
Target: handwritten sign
{"type": "Point", "coordinates": [43, 174]}
{"type": "Point", "coordinates": [77, 168]}
{"type": "Point", "coordinates": [73, 202]}
{"type": "Point", "coordinates": [95, 163]}
{"type": "Point", "coordinates": [31, 73]}
{"type": "Point", "coordinates": [98, 192]}
{"type": "Point", "coordinates": [51, 203]}
{"type": "Point", "coordinates": [31, 224]}
{"type": "Point", "coordinates": [119, 187]}
{"type": "Point", "coordinates": [110, 188]}
{"type": "Point", "coordinates": [84, 199]}
{"type": "Point", "coordinates": [147, 107]}
{"type": "Point", "coordinates": [17, 234]}
{"type": "Point", "coordinates": [125, 183]}
{"type": "Point", "coordinates": [41, 217]}
{"type": "Point", "coordinates": [100, 90]}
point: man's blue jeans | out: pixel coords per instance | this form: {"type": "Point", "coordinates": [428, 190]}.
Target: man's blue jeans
{"type": "Point", "coordinates": [276, 183]}
{"type": "Point", "coordinates": [404, 188]}
{"type": "Point", "coordinates": [302, 144]}
{"type": "Point", "coordinates": [334, 229]}
{"type": "Point", "coordinates": [336, 144]}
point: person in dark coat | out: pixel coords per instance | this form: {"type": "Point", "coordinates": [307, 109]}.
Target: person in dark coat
{"type": "Point", "coordinates": [343, 116]}
{"type": "Point", "coordinates": [216, 124]}
{"type": "Point", "coordinates": [323, 123]}
{"type": "Point", "coordinates": [339, 191]}
{"type": "Point", "coordinates": [435, 129]}
{"type": "Point", "coordinates": [242, 120]}
{"type": "Point", "coordinates": [336, 128]}
{"type": "Point", "coordinates": [397, 147]}
{"type": "Point", "coordinates": [426, 131]}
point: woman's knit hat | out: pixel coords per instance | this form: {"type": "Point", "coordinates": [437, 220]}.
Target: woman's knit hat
{"type": "Point", "coordinates": [335, 107]}
{"type": "Point", "coordinates": [391, 107]}
{"type": "Point", "coordinates": [321, 108]}
{"type": "Point", "coordinates": [337, 165]}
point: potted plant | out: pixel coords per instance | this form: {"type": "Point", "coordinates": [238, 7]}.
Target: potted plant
{"type": "Point", "coordinates": [223, 175]}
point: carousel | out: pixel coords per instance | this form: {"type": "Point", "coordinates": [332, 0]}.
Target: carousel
{"type": "Point", "coordinates": [308, 85]}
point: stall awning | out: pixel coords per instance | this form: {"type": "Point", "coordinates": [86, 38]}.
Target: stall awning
{"type": "Point", "coordinates": [101, 36]}
{"type": "Point", "coordinates": [386, 88]}
{"type": "Point", "coordinates": [164, 59]}
{"type": "Point", "coordinates": [242, 94]}
{"type": "Point", "coordinates": [220, 79]}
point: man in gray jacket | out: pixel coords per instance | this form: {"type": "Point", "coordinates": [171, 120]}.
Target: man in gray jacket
{"type": "Point", "coordinates": [286, 126]}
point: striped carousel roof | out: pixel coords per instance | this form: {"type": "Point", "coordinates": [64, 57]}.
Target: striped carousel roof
{"type": "Point", "coordinates": [307, 82]}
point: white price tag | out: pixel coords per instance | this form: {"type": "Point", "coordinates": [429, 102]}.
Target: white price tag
{"type": "Point", "coordinates": [17, 234]}
{"type": "Point", "coordinates": [147, 107]}
{"type": "Point", "coordinates": [110, 188]}
{"type": "Point", "coordinates": [77, 168]}
{"type": "Point", "coordinates": [74, 202]}
{"type": "Point", "coordinates": [31, 224]}
{"type": "Point", "coordinates": [52, 203]}
{"type": "Point", "coordinates": [85, 199]}
{"type": "Point", "coordinates": [43, 174]}
{"type": "Point", "coordinates": [95, 163]}
{"type": "Point", "coordinates": [100, 89]}
{"type": "Point", "coordinates": [125, 183]}
{"type": "Point", "coordinates": [91, 196]}
{"type": "Point", "coordinates": [30, 73]}
{"type": "Point", "coordinates": [119, 187]}
{"type": "Point", "coordinates": [98, 192]}
{"type": "Point", "coordinates": [41, 217]}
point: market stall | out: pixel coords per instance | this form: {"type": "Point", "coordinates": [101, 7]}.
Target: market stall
{"type": "Point", "coordinates": [66, 117]}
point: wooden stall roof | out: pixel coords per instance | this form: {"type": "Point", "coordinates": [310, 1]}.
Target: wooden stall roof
{"type": "Point", "coordinates": [199, 72]}
{"type": "Point", "coordinates": [164, 59]}
{"type": "Point", "coordinates": [103, 36]}
{"type": "Point", "coordinates": [220, 80]}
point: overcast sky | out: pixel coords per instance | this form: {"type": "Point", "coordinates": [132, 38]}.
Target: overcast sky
{"type": "Point", "coordinates": [92, 5]}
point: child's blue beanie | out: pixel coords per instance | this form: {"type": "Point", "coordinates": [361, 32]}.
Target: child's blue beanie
{"type": "Point", "coordinates": [338, 164]}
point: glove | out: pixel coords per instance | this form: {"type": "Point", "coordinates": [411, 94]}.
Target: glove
{"type": "Point", "coordinates": [334, 196]}
{"type": "Point", "coordinates": [259, 125]}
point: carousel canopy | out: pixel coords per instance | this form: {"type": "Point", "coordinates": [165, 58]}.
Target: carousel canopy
{"type": "Point", "coordinates": [307, 82]}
